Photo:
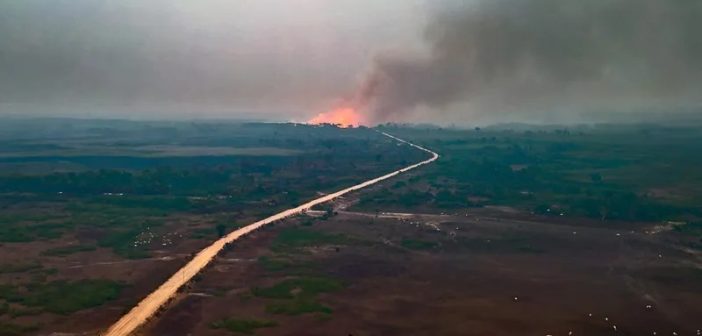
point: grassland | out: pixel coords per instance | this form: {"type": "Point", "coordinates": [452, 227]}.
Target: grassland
{"type": "Point", "coordinates": [104, 211]}
{"type": "Point", "coordinates": [108, 226]}
{"type": "Point", "coordinates": [62, 297]}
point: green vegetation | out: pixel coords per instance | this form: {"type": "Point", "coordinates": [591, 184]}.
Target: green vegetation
{"type": "Point", "coordinates": [297, 307]}
{"type": "Point", "coordinates": [414, 244]}
{"type": "Point", "coordinates": [296, 238]}
{"type": "Point", "coordinates": [101, 214]}
{"type": "Point", "coordinates": [123, 244]}
{"type": "Point", "coordinates": [693, 229]}
{"type": "Point", "coordinates": [132, 187]}
{"type": "Point", "coordinates": [273, 264]}
{"type": "Point", "coordinates": [62, 297]}
{"type": "Point", "coordinates": [298, 287]}
{"type": "Point", "coordinates": [298, 296]}
{"type": "Point", "coordinates": [627, 173]}
{"type": "Point", "coordinates": [26, 232]}
{"type": "Point", "coordinates": [202, 233]}
{"type": "Point", "coordinates": [221, 230]}
{"type": "Point", "coordinates": [244, 326]}
{"type": "Point", "coordinates": [288, 264]}
{"type": "Point", "coordinates": [129, 187]}
{"type": "Point", "coordinates": [83, 176]}
{"type": "Point", "coordinates": [282, 155]}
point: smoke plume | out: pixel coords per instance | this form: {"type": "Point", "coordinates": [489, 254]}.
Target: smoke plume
{"type": "Point", "coordinates": [524, 59]}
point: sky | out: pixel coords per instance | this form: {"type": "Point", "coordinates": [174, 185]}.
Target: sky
{"type": "Point", "coordinates": [442, 61]}
{"type": "Point", "coordinates": [206, 58]}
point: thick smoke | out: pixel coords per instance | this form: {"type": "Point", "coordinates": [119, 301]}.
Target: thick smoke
{"type": "Point", "coordinates": [535, 59]}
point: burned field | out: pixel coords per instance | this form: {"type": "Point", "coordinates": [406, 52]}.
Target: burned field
{"type": "Point", "coordinates": [510, 233]}
{"type": "Point", "coordinates": [459, 274]}
{"type": "Point", "coordinates": [531, 232]}
{"type": "Point", "coordinates": [84, 237]}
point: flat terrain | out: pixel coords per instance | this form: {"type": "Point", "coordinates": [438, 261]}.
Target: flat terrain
{"type": "Point", "coordinates": [149, 306]}
{"type": "Point", "coordinates": [86, 234]}
{"type": "Point", "coordinates": [594, 230]}
{"type": "Point", "coordinates": [465, 273]}
{"type": "Point", "coordinates": [590, 231]}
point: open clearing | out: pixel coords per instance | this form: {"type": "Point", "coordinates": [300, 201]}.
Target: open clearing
{"type": "Point", "coordinates": [467, 273]}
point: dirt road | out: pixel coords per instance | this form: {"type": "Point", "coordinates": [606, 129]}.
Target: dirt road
{"type": "Point", "coordinates": [149, 305]}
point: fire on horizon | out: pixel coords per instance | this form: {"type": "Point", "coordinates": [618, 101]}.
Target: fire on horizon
{"type": "Point", "coordinates": [342, 116]}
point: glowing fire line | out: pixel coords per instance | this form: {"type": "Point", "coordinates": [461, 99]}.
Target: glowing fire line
{"type": "Point", "coordinates": [344, 117]}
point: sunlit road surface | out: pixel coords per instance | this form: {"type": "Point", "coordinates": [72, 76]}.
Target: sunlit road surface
{"type": "Point", "coordinates": [149, 305]}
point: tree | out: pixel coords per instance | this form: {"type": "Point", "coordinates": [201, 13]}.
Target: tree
{"type": "Point", "coordinates": [221, 230]}
{"type": "Point", "coordinates": [596, 177]}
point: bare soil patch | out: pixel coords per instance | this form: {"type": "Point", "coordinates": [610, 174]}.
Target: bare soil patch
{"type": "Point", "coordinates": [462, 275]}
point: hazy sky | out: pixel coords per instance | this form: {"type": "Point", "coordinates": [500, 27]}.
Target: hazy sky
{"type": "Point", "coordinates": [205, 58]}
{"type": "Point", "coordinates": [403, 60]}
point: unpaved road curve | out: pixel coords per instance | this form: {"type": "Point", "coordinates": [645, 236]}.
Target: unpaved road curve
{"type": "Point", "coordinates": [149, 305]}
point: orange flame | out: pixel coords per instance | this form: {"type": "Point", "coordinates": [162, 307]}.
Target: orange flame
{"type": "Point", "coordinates": [344, 117]}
